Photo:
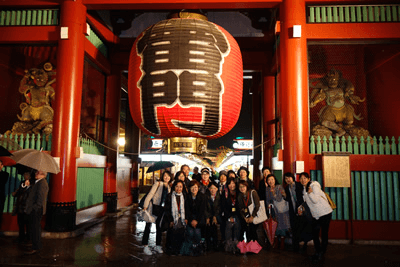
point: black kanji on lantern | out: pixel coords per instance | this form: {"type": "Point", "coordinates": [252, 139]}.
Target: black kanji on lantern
{"type": "Point", "coordinates": [181, 63]}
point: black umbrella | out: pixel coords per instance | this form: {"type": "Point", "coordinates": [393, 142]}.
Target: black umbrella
{"type": "Point", "coordinates": [159, 166]}
{"type": "Point", "coordinates": [4, 151]}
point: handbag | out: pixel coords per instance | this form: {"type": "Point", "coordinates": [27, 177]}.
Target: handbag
{"type": "Point", "coordinates": [261, 214]}
{"type": "Point", "coordinates": [144, 215]}
{"type": "Point", "coordinates": [157, 210]}
{"type": "Point", "coordinates": [281, 206]}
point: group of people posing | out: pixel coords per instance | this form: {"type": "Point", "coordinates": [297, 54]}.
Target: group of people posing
{"type": "Point", "coordinates": [191, 211]}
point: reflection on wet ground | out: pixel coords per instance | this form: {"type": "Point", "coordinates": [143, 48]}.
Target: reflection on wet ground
{"type": "Point", "coordinates": [117, 242]}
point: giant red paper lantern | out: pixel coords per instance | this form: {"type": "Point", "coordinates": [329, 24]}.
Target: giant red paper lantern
{"type": "Point", "coordinates": [185, 79]}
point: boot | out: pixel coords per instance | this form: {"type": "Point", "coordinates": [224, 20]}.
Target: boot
{"type": "Point", "coordinates": [276, 243]}
{"type": "Point", "coordinates": [282, 245]}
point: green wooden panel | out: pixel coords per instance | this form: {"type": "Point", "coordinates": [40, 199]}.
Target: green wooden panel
{"type": "Point", "coordinates": [347, 14]}
{"type": "Point", "coordinates": [393, 146]}
{"type": "Point", "coordinates": [319, 177]}
{"type": "Point", "coordinates": [18, 19]}
{"type": "Point", "coordinates": [313, 175]}
{"type": "Point", "coordinates": [396, 196]}
{"type": "Point", "coordinates": [312, 15]}
{"type": "Point", "coordinates": [353, 16]}
{"type": "Point", "coordinates": [394, 11]}
{"type": "Point", "coordinates": [389, 180]}
{"type": "Point", "coordinates": [359, 14]}
{"type": "Point", "coordinates": [375, 146]}
{"type": "Point", "coordinates": [370, 14]}
{"type": "Point", "coordinates": [381, 147]}
{"type": "Point", "coordinates": [387, 146]}
{"type": "Point", "coordinates": [376, 13]}
{"type": "Point", "coordinates": [324, 144]}
{"type": "Point", "coordinates": [371, 196]}
{"type": "Point", "coordinates": [8, 17]}
{"type": "Point", "coordinates": [34, 17]}
{"type": "Point", "coordinates": [332, 194]}
{"type": "Point", "coordinates": [23, 17]}
{"type": "Point", "coordinates": [384, 196]}
{"type": "Point", "coordinates": [29, 17]}
{"type": "Point", "coordinates": [319, 146]}
{"type": "Point", "coordinates": [346, 204]}
{"type": "Point", "coordinates": [362, 145]}
{"type": "Point", "coordinates": [329, 11]}
{"type": "Point", "coordinates": [312, 145]}
{"type": "Point", "coordinates": [331, 147]}
{"type": "Point", "coordinates": [364, 14]}
{"type": "Point", "coordinates": [2, 18]}
{"type": "Point", "coordinates": [339, 203]}
{"type": "Point", "coordinates": [44, 19]}
{"type": "Point", "coordinates": [13, 17]}
{"type": "Point", "coordinates": [337, 144]}
{"type": "Point", "coordinates": [358, 195]}
{"type": "Point", "coordinates": [364, 192]}
{"type": "Point", "coordinates": [89, 189]}
{"type": "Point", "coordinates": [323, 14]}
{"type": "Point", "coordinates": [39, 17]}
{"type": "Point", "coordinates": [317, 14]}
{"type": "Point", "coordinates": [383, 15]}
{"type": "Point", "coordinates": [341, 14]}
{"type": "Point", "coordinates": [388, 13]}
{"type": "Point", "coordinates": [55, 17]}
{"type": "Point", "coordinates": [50, 17]}
{"type": "Point", "coordinates": [349, 145]}
{"type": "Point", "coordinates": [353, 196]}
{"type": "Point", "coordinates": [335, 14]}
{"type": "Point", "coordinates": [377, 196]}
{"type": "Point", "coordinates": [355, 146]}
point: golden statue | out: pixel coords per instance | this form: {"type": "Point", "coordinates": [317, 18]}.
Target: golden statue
{"type": "Point", "coordinates": [36, 113]}
{"type": "Point", "coordinates": [337, 115]}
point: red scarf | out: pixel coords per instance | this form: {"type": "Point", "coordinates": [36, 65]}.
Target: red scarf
{"type": "Point", "coordinates": [204, 182]}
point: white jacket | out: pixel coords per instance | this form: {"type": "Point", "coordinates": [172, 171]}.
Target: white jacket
{"type": "Point", "coordinates": [316, 201]}
{"type": "Point", "coordinates": [155, 194]}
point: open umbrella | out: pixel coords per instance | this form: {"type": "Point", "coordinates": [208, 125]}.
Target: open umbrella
{"type": "Point", "coordinates": [270, 226]}
{"type": "Point", "coordinates": [36, 159]}
{"type": "Point", "coordinates": [159, 165]}
{"type": "Point", "coordinates": [253, 247]}
{"type": "Point", "coordinates": [4, 151]}
{"type": "Point", "coordinates": [7, 161]}
{"type": "Point", "coordinates": [242, 246]}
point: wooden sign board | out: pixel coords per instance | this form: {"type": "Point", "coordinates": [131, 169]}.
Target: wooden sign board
{"type": "Point", "coordinates": [336, 169]}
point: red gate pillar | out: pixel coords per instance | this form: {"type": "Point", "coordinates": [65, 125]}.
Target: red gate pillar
{"type": "Point", "coordinates": [61, 211]}
{"type": "Point", "coordinates": [113, 95]}
{"type": "Point", "coordinates": [294, 85]}
{"type": "Point", "coordinates": [268, 120]}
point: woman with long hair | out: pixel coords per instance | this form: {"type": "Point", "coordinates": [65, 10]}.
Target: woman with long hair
{"type": "Point", "coordinates": [175, 214]}
{"type": "Point", "coordinates": [321, 212]}
{"type": "Point", "coordinates": [157, 196]}
{"type": "Point", "coordinates": [230, 209]}
{"type": "Point", "coordinates": [274, 196]}
{"type": "Point", "coordinates": [181, 176]}
{"type": "Point", "coordinates": [245, 199]}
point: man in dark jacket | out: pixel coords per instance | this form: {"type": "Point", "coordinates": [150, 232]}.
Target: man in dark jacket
{"type": "Point", "coordinates": [36, 208]}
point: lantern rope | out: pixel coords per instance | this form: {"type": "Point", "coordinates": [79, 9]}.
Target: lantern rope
{"type": "Point", "coordinates": [110, 148]}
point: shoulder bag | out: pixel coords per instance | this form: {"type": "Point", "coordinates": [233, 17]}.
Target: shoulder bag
{"type": "Point", "coordinates": [261, 214]}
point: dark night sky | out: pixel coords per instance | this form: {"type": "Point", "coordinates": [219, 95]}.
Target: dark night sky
{"type": "Point", "coordinates": [243, 127]}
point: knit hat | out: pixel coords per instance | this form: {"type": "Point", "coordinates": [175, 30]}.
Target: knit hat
{"type": "Point", "coordinates": [205, 170]}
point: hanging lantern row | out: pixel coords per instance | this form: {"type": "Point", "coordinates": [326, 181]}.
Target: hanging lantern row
{"type": "Point", "coordinates": [185, 79]}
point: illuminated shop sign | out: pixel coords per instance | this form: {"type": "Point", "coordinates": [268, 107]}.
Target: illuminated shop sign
{"type": "Point", "coordinates": [243, 144]}
{"type": "Point", "coordinates": [156, 143]}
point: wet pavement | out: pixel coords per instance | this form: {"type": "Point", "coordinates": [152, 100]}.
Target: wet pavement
{"type": "Point", "coordinates": [117, 242]}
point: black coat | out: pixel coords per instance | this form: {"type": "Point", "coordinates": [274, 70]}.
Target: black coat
{"type": "Point", "coordinates": [299, 200]}
{"type": "Point", "coordinates": [213, 207]}
{"type": "Point", "coordinates": [168, 207]}
{"type": "Point", "coordinates": [261, 189]}
{"type": "Point", "coordinates": [195, 209]}
{"type": "Point", "coordinates": [227, 206]}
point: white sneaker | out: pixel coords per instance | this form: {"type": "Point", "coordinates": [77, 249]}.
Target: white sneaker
{"type": "Point", "coordinates": [159, 249]}
{"type": "Point", "coordinates": [147, 251]}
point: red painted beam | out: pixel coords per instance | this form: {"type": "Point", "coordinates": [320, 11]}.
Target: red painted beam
{"type": "Point", "coordinates": [29, 34]}
{"type": "Point", "coordinates": [102, 30]}
{"type": "Point", "coordinates": [97, 57]}
{"type": "Point", "coordinates": [179, 4]}
{"type": "Point", "coordinates": [363, 162]}
{"type": "Point", "coordinates": [340, 31]}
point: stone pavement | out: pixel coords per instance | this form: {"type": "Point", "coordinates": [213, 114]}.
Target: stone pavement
{"type": "Point", "coordinates": [116, 242]}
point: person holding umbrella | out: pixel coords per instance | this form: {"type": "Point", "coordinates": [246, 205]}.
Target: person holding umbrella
{"type": "Point", "coordinates": [36, 208]}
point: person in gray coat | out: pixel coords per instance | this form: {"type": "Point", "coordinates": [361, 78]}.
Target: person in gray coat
{"type": "Point", "coordinates": [35, 208]}
{"type": "Point", "coordinates": [157, 196]}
